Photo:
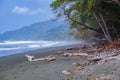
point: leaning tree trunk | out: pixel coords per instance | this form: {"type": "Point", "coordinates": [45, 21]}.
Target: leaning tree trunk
{"type": "Point", "coordinates": [106, 27]}
{"type": "Point", "coordinates": [103, 26]}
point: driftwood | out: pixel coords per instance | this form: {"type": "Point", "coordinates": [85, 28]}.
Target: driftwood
{"type": "Point", "coordinates": [107, 59]}
{"type": "Point", "coordinates": [75, 54]}
{"type": "Point", "coordinates": [95, 59]}
{"type": "Point", "coordinates": [104, 59]}
{"type": "Point", "coordinates": [94, 50]}
{"type": "Point", "coordinates": [48, 58]}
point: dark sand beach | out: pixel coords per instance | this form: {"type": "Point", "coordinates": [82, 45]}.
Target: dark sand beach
{"type": "Point", "coordinates": [12, 65]}
{"type": "Point", "coordinates": [65, 67]}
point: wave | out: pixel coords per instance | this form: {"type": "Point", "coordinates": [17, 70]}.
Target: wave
{"type": "Point", "coordinates": [13, 45]}
{"type": "Point", "coordinates": [21, 42]}
{"type": "Point", "coordinates": [10, 47]}
{"type": "Point", "coordinates": [6, 49]}
{"type": "Point", "coordinates": [34, 46]}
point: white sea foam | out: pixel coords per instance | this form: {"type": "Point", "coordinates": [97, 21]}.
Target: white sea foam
{"type": "Point", "coordinates": [21, 42]}
{"type": "Point", "coordinates": [33, 46]}
{"type": "Point", "coordinates": [6, 49]}
{"type": "Point", "coordinates": [21, 46]}
{"type": "Point", "coordinates": [13, 45]}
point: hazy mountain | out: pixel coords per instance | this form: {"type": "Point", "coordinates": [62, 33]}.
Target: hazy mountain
{"type": "Point", "coordinates": [47, 30]}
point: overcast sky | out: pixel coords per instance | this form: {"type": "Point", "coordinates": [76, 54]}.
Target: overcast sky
{"type": "Point", "coordinates": [18, 13]}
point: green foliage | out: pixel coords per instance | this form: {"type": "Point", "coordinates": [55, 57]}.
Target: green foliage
{"type": "Point", "coordinates": [82, 11]}
{"type": "Point", "coordinates": [55, 4]}
{"type": "Point", "coordinates": [80, 33]}
{"type": "Point", "coordinates": [83, 5]}
{"type": "Point", "coordinates": [91, 4]}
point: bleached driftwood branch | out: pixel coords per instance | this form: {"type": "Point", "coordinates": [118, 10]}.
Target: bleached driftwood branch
{"type": "Point", "coordinates": [48, 58]}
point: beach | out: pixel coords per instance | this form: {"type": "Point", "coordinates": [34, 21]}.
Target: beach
{"type": "Point", "coordinates": [64, 67]}
{"type": "Point", "coordinates": [10, 63]}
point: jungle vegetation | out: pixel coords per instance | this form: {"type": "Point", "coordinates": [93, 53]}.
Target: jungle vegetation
{"type": "Point", "coordinates": [99, 16]}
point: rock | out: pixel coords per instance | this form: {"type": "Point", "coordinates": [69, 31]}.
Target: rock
{"type": "Point", "coordinates": [66, 72]}
{"type": "Point", "coordinates": [69, 48]}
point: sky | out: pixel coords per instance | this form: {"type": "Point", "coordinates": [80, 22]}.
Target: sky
{"type": "Point", "coordinates": [15, 14]}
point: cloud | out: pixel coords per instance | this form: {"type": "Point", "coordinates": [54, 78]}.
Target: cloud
{"type": "Point", "coordinates": [26, 11]}
{"type": "Point", "coordinates": [20, 10]}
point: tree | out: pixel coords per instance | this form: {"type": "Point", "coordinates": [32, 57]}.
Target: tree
{"type": "Point", "coordinates": [80, 13]}
{"type": "Point", "coordinates": [71, 11]}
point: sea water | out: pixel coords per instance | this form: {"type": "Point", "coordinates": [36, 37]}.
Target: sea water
{"type": "Point", "coordinates": [14, 47]}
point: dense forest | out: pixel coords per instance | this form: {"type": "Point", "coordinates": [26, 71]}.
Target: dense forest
{"type": "Point", "coordinates": [99, 17]}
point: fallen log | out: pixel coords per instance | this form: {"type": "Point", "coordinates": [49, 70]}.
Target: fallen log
{"type": "Point", "coordinates": [48, 58]}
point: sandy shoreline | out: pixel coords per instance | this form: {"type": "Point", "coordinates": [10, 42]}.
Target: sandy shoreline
{"type": "Point", "coordinates": [17, 67]}
{"type": "Point", "coordinates": [17, 58]}
{"type": "Point", "coordinates": [10, 62]}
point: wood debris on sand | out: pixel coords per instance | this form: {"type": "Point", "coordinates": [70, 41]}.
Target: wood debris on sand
{"type": "Point", "coordinates": [48, 58]}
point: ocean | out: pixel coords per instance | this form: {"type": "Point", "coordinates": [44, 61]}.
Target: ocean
{"type": "Point", "coordinates": [15, 47]}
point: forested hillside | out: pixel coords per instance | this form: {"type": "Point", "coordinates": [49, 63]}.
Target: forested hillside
{"type": "Point", "coordinates": [46, 30]}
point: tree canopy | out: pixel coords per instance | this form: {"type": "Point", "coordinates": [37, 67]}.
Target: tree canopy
{"type": "Point", "coordinates": [101, 16]}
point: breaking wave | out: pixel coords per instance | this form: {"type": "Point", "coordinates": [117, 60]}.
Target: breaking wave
{"type": "Point", "coordinates": [14, 47]}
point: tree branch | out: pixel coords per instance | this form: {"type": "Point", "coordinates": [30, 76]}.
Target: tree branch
{"type": "Point", "coordinates": [82, 24]}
